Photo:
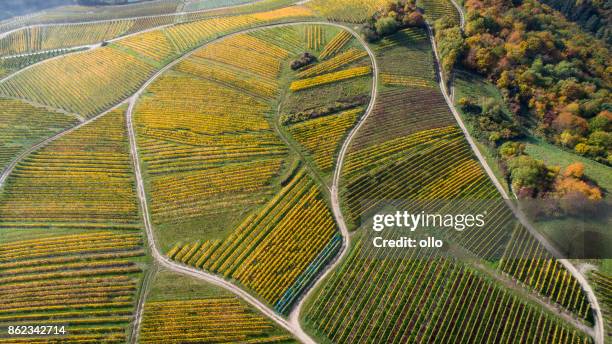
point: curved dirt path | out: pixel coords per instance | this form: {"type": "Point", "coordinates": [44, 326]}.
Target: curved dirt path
{"type": "Point", "coordinates": [461, 14]}
{"type": "Point", "coordinates": [598, 319]}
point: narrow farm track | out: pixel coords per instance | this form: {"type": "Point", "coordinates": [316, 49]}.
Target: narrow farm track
{"type": "Point", "coordinates": [144, 290]}
{"type": "Point", "coordinates": [461, 14]}
{"type": "Point", "coordinates": [599, 332]}
{"type": "Point", "coordinates": [43, 52]}
{"type": "Point", "coordinates": [294, 147]}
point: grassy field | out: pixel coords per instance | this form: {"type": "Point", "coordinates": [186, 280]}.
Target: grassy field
{"type": "Point", "coordinates": [555, 156]}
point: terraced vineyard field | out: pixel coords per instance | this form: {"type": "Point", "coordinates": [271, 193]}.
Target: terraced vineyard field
{"type": "Point", "coordinates": [71, 251]}
{"type": "Point", "coordinates": [38, 38]}
{"type": "Point", "coordinates": [351, 11]}
{"type": "Point", "coordinates": [48, 36]}
{"type": "Point", "coordinates": [407, 45]}
{"type": "Point", "coordinates": [82, 180]}
{"type": "Point", "coordinates": [270, 250]}
{"type": "Point", "coordinates": [86, 282]}
{"type": "Point", "coordinates": [79, 77]}
{"type": "Point", "coordinates": [24, 125]}
{"type": "Point", "coordinates": [430, 300]}
{"type": "Point", "coordinates": [183, 309]}
{"type": "Point", "coordinates": [320, 136]}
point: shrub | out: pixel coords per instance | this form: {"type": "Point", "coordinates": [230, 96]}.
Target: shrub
{"type": "Point", "coordinates": [304, 60]}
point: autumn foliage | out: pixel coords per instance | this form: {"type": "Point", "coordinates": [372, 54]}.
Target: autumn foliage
{"type": "Point", "coordinates": [547, 69]}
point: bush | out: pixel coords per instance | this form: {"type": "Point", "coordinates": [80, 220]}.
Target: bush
{"type": "Point", "coordinates": [338, 106]}
{"type": "Point", "coordinates": [386, 26]}
{"type": "Point", "coordinates": [304, 60]}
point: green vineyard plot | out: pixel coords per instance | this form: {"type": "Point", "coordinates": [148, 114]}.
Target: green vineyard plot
{"type": "Point", "coordinates": [24, 125]}
{"type": "Point", "coordinates": [180, 308]}
{"type": "Point", "coordinates": [82, 264]}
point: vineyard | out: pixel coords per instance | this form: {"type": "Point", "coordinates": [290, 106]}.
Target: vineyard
{"type": "Point", "coordinates": [86, 282]}
{"type": "Point", "coordinates": [188, 35]}
{"type": "Point", "coordinates": [436, 9]}
{"type": "Point", "coordinates": [211, 161]}
{"type": "Point", "coordinates": [81, 180]}
{"type": "Point", "coordinates": [213, 320]}
{"type": "Point", "coordinates": [320, 136]}
{"type": "Point", "coordinates": [221, 155]}
{"type": "Point", "coordinates": [81, 77]}
{"type": "Point", "coordinates": [528, 261]}
{"type": "Point", "coordinates": [330, 78]}
{"type": "Point", "coordinates": [37, 38]}
{"type": "Point", "coordinates": [207, 207]}
{"type": "Point", "coordinates": [153, 44]}
{"type": "Point", "coordinates": [426, 107]}
{"type": "Point", "coordinates": [270, 250]}
{"type": "Point", "coordinates": [335, 44]}
{"type": "Point", "coordinates": [10, 65]}
{"type": "Point", "coordinates": [24, 125]}
{"type": "Point", "coordinates": [440, 166]}
{"type": "Point", "coordinates": [425, 300]}
{"type": "Point", "coordinates": [351, 11]}
{"type": "Point", "coordinates": [76, 13]}
{"type": "Point", "coordinates": [407, 45]}
{"type": "Point", "coordinates": [183, 309]}
{"type": "Point", "coordinates": [78, 80]}
{"type": "Point", "coordinates": [327, 97]}
{"type": "Point", "coordinates": [603, 289]}
{"type": "Point", "coordinates": [42, 38]}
